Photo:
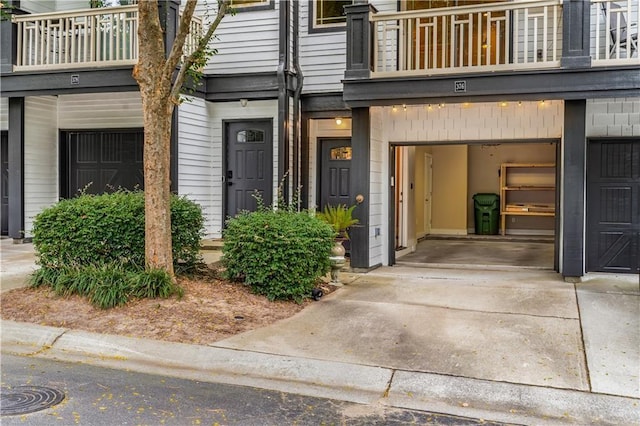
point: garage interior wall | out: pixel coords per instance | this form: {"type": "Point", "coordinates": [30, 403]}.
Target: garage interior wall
{"type": "Point", "coordinates": [421, 190]}
{"type": "Point", "coordinates": [484, 167]}
{"type": "Point", "coordinates": [449, 211]}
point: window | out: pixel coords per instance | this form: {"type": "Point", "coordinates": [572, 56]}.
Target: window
{"type": "Point", "coordinates": [250, 136]}
{"type": "Point", "coordinates": [251, 5]}
{"type": "Point", "coordinates": [329, 13]}
{"type": "Point", "coordinates": [341, 153]}
{"type": "Point", "coordinates": [245, 3]}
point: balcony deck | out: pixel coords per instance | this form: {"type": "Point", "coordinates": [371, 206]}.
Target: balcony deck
{"type": "Point", "coordinates": [506, 36]}
{"type": "Point", "coordinates": [102, 37]}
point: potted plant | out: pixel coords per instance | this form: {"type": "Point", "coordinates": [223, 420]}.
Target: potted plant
{"type": "Point", "coordinates": [340, 218]}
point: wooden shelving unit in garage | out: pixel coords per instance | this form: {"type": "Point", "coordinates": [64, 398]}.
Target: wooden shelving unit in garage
{"type": "Point", "coordinates": [520, 178]}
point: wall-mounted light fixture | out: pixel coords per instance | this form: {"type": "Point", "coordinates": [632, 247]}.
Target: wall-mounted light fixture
{"type": "Point", "coordinates": [394, 108]}
{"type": "Point", "coordinates": [338, 121]}
{"type": "Point", "coordinates": [503, 104]}
{"type": "Point", "coordinates": [404, 107]}
{"type": "Point", "coordinates": [244, 102]}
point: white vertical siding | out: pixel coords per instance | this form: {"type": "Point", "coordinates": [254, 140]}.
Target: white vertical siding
{"type": "Point", "coordinates": [4, 113]}
{"type": "Point", "coordinates": [246, 43]}
{"type": "Point", "coordinates": [613, 117]}
{"type": "Point", "coordinates": [197, 162]}
{"type": "Point", "coordinates": [100, 111]}
{"type": "Point", "coordinates": [218, 112]}
{"type": "Point", "coordinates": [378, 193]}
{"type": "Point", "coordinates": [40, 157]}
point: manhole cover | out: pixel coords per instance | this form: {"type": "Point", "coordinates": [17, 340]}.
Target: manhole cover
{"type": "Point", "coordinates": [28, 399]}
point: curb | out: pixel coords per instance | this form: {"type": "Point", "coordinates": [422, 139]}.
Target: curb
{"type": "Point", "coordinates": [497, 401]}
{"type": "Point", "coordinates": [326, 379]}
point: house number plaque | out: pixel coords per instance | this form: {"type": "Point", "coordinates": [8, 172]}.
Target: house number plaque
{"type": "Point", "coordinates": [460, 86]}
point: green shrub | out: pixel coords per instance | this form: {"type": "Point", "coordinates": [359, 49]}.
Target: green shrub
{"type": "Point", "coordinates": [109, 228]}
{"type": "Point", "coordinates": [279, 253]}
{"type": "Point", "coordinates": [93, 246]}
{"type": "Point", "coordinates": [154, 283]}
{"type": "Point", "coordinates": [106, 286]}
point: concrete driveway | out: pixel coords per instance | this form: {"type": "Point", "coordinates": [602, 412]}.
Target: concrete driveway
{"type": "Point", "coordinates": [506, 326]}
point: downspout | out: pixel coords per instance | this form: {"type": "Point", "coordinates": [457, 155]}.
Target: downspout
{"type": "Point", "coordinates": [296, 99]}
{"type": "Point", "coordinates": [283, 98]}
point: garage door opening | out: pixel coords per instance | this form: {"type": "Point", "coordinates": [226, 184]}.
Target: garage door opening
{"type": "Point", "coordinates": [433, 215]}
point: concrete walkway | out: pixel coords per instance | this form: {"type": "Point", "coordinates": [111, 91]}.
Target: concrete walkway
{"type": "Point", "coordinates": [17, 261]}
{"type": "Point", "coordinates": [512, 346]}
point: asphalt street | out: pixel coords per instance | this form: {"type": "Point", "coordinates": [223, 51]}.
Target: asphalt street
{"type": "Point", "coordinates": [99, 396]}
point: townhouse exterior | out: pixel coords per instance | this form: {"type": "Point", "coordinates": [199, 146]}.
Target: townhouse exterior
{"type": "Point", "coordinates": [404, 108]}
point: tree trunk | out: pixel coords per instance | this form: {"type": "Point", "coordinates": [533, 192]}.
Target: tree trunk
{"type": "Point", "coordinates": [160, 86]}
{"type": "Point", "coordinates": [157, 182]}
{"type": "Point", "coordinates": [157, 106]}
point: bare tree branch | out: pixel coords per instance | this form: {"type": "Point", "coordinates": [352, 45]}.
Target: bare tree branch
{"type": "Point", "coordinates": [223, 6]}
{"type": "Point", "coordinates": [178, 43]}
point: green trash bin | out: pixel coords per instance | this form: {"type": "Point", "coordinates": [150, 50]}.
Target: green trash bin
{"type": "Point", "coordinates": [486, 209]}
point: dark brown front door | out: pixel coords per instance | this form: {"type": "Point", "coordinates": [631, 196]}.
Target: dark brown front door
{"type": "Point", "coordinates": [335, 172]}
{"type": "Point", "coordinates": [4, 183]}
{"type": "Point", "coordinates": [104, 161]}
{"type": "Point", "coordinates": [249, 163]}
{"type": "Point", "coordinates": [613, 206]}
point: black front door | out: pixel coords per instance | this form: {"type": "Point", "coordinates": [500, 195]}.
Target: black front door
{"type": "Point", "coordinates": [249, 164]}
{"type": "Point", "coordinates": [613, 206]}
{"type": "Point", "coordinates": [335, 172]}
{"type": "Point", "coordinates": [104, 161]}
{"type": "Point", "coordinates": [4, 183]}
